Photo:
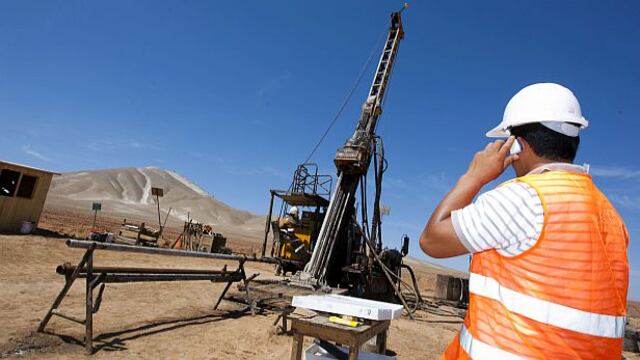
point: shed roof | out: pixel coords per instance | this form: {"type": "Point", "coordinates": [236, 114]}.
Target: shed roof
{"type": "Point", "coordinates": [28, 167]}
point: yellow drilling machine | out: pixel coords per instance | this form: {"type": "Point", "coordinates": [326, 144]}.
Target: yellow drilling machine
{"type": "Point", "coordinates": [316, 232]}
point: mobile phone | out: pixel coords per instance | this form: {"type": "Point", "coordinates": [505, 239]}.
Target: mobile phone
{"type": "Point", "coordinates": [516, 148]}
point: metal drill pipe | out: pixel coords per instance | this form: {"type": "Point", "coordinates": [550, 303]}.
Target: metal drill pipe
{"type": "Point", "coordinates": [266, 259]}
{"type": "Point", "coordinates": [323, 269]}
{"type": "Point", "coordinates": [322, 251]}
{"type": "Point", "coordinates": [126, 278]}
{"type": "Point", "coordinates": [327, 239]}
{"type": "Point", "coordinates": [65, 269]}
{"type": "Point", "coordinates": [148, 250]}
{"type": "Point", "coordinates": [319, 249]}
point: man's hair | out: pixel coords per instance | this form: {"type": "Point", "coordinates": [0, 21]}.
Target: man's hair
{"type": "Point", "coordinates": [547, 143]}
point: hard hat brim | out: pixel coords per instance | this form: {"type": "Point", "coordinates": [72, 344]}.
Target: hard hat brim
{"type": "Point", "coordinates": [497, 132]}
{"type": "Point", "coordinates": [500, 132]}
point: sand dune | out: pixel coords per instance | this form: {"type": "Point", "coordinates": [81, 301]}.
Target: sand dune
{"type": "Point", "coordinates": [127, 192]}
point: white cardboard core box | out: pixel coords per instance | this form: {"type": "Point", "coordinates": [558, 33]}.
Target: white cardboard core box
{"type": "Point", "coordinates": [351, 306]}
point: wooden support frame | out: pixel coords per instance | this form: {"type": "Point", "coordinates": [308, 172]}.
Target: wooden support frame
{"type": "Point", "coordinates": [85, 269]}
{"type": "Point", "coordinates": [65, 289]}
{"type": "Point", "coordinates": [321, 328]}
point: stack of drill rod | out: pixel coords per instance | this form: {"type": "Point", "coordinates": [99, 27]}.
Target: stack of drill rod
{"type": "Point", "coordinates": [315, 271]}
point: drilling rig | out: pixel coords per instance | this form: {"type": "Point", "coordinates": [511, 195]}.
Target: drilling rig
{"type": "Point", "coordinates": [344, 252]}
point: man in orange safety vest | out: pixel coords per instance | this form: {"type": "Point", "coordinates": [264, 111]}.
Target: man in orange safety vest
{"type": "Point", "coordinates": [549, 273]}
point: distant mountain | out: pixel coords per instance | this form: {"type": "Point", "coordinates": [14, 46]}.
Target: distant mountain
{"type": "Point", "coordinates": [127, 192]}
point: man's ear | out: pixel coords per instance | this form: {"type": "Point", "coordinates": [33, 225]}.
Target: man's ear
{"type": "Point", "coordinates": [523, 144]}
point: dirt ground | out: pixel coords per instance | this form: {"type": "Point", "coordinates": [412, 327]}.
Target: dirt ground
{"type": "Point", "coordinates": [154, 320]}
{"type": "Point", "coordinates": [164, 320]}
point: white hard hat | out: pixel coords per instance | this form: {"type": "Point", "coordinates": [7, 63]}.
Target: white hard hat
{"type": "Point", "coordinates": [293, 210]}
{"type": "Point", "coordinates": [550, 104]}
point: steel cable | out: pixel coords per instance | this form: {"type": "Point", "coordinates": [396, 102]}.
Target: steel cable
{"type": "Point", "coordinates": [348, 97]}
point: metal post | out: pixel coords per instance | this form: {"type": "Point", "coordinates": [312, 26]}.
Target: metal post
{"type": "Point", "coordinates": [224, 292]}
{"type": "Point", "coordinates": [314, 234]}
{"type": "Point", "coordinates": [245, 281]}
{"type": "Point", "coordinates": [88, 321]}
{"type": "Point", "coordinates": [159, 219]}
{"type": "Point", "coordinates": [267, 226]}
{"type": "Point", "coordinates": [95, 207]}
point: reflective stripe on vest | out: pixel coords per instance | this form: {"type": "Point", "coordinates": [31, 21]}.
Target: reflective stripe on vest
{"type": "Point", "coordinates": [476, 349]}
{"type": "Point", "coordinates": [547, 312]}
{"type": "Point", "coordinates": [564, 298]}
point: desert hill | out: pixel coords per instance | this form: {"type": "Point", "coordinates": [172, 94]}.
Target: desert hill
{"type": "Point", "coordinates": [127, 192]}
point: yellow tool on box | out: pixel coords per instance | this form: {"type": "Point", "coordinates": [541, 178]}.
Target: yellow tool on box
{"type": "Point", "coordinates": [345, 321]}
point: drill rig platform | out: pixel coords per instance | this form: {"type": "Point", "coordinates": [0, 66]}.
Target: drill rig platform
{"type": "Point", "coordinates": [295, 238]}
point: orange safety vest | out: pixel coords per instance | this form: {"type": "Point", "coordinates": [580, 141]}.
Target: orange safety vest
{"type": "Point", "coordinates": [566, 297]}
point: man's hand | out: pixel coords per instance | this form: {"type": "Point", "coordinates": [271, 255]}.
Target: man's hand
{"type": "Point", "coordinates": [438, 238]}
{"type": "Point", "coordinates": [491, 162]}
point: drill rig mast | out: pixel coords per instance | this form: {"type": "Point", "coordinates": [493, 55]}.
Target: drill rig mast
{"type": "Point", "coordinates": [344, 249]}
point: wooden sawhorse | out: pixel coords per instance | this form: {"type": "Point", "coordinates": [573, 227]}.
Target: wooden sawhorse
{"type": "Point", "coordinates": [98, 276]}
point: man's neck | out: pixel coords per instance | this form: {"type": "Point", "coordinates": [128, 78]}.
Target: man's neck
{"type": "Point", "coordinates": [542, 162]}
{"type": "Point", "coordinates": [560, 166]}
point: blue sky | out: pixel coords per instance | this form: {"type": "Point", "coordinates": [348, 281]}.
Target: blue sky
{"type": "Point", "coordinates": [234, 94]}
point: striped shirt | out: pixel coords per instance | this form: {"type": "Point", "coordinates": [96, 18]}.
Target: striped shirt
{"type": "Point", "coordinates": [508, 218]}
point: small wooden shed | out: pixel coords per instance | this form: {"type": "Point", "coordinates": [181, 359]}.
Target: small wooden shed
{"type": "Point", "coordinates": [23, 191]}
